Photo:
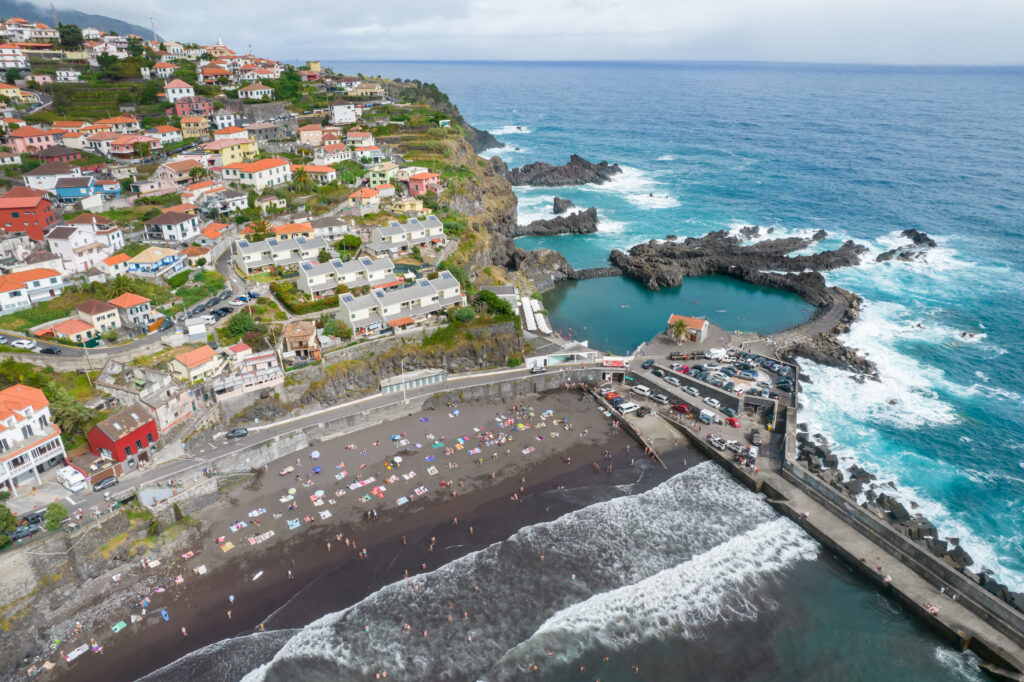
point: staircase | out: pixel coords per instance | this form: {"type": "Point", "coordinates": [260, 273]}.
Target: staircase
{"type": "Point", "coordinates": [171, 444]}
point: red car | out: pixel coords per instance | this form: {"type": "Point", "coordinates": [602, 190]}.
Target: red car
{"type": "Point", "coordinates": [612, 396]}
{"type": "Point", "coordinates": [732, 421]}
{"type": "Point", "coordinates": [681, 408]}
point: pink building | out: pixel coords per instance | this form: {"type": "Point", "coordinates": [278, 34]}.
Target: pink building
{"type": "Point", "coordinates": [28, 138]}
{"type": "Point", "coordinates": [423, 183]}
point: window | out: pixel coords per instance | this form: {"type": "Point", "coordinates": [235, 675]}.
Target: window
{"type": "Point", "coordinates": [149, 438]}
{"type": "Point", "coordinates": [127, 451]}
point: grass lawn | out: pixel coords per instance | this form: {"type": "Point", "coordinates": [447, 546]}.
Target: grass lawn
{"type": "Point", "coordinates": [23, 320]}
{"type": "Point", "coordinates": [263, 277]}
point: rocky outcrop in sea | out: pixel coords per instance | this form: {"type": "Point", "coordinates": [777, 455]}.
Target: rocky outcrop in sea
{"type": "Point", "coordinates": [578, 171]}
{"type": "Point", "coordinates": [561, 205]}
{"type": "Point", "coordinates": [581, 222]}
{"type": "Point", "coordinates": [481, 139]}
{"type": "Point", "coordinates": [920, 242]}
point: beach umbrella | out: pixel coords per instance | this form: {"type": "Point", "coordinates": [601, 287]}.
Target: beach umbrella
{"type": "Point", "coordinates": [319, 493]}
{"type": "Point", "coordinates": [316, 470]}
{"type": "Point", "coordinates": [455, 412]}
{"type": "Point", "coordinates": [315, 454]}
{"type": "Point", "coordinates": [291, 491]}
{"type": "Point", "coordinates": [398, 460]}
{"type": "Point", "coordinates": [396, 437]}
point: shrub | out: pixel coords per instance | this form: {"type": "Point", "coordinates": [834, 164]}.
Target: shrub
{"type": "Point", "coordinates": [7, 520]}
{"type": "Point", "coordinates": [179, 279]}
{"type": "Point", "coordinates": [465, 314]}
{"type": "Point", "coordinates": [55, 513]}
{"type": "Point", "coordinates": [293, 299]}
{"type": "Point", "coordinates": [494, 304]}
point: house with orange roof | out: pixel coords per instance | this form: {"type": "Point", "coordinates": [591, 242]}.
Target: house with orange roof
{"type": "Point", "coordinates": [211, 74]}
{"type": "Point", "coordinates": [358, 138]}
{"type": "Point", "coordinates": [115, 265]}
{"type": "Point", "coordinates": [294, 230]}
{"type": "Point", "coordinates": [31, 439]}
{"type": "Point", "coordinates": [73, 329]}
{"type": "Point", "coordinates": [332, 153]}
{"type": "Point", "coordinates": [28, 287]}
{"type": "Point", "coordinates": [259, 174]}
{"type": "Point", "coordinates": [196, 253]}
{"type": "Point", "coordinates": [696, 328]}
{"type": "Point", "coordinates": [320, 174]}
{"type": "Point", "coordinates": [177, 172]}
{"type": "Point", "coordinates": [121, 124]}
{"type": "Point", "coordinates": [190, 209]}
{"type": "Point", "coordinates": [371, 153]}
{"type": "Point", "coordinates": [134, 146]}
{"type": "Point", "coordinates": [197, 365]}
{"type": "Point", "coordinates": [363, 198]}
{"type": "Point", "coordinates": [23, 209]}
{"type": "Point", "coordinates": [27, 139]}
{"type": "Point", "coordinates": [425, 183]}
{"type": "Point", "coordinates": [166, 134]}
{"type": "Point", "coordinates": [69, 125]}
{"type": "Point", "coordinates": [195, 126]}
{"type": "Point", "coordinates": [100, 315]}
{"type": "Point", "coordinates": [212, 233]}
{"type": "Point", "coordinates": [232, 150]}
{"type": "Point", "coordinates": [134, 310]}
{"type": "Point", "coordinates": [177, 89]}
{"type": "Point", "coordinates": [311, 134]}
{"type": "Point", "coordinates": [164, 69]}
{"type": "Point", "coordinates": [12, 57]}
{"type": "Point", "coordinates": [231, 133]}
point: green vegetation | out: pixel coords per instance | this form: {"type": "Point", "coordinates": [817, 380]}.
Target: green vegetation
{"type": "Point", "coordinates": [349, 172]}
{"type": "Point", "coordinates": [494, 305]}
{"type": "Point", "coordinates": [133, 249]}
{"type": "Point", "coordinates": [64, 305]}
{"type": "Point", "coordinates": [297, 302]}
{"type": "Point", "coordinates": [348, 245]}
{"type": "Point", "coordinates": [332, 327]}
{"type": "Point", "coordinates": [178, 279]}
{"type": "Point", "coordinates": [465, 314]}
{"type": "Point", "coordinates": [66, 392]}
{"type": "Point", "coordinates": [55, 513]}
{"type": "Point", "coordinates": [70, 36]}
{"type": "Point", "coordinates": [208, 283]}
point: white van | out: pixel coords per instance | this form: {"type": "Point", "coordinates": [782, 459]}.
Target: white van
{"type": "Point", "coordinates": [641, 391]}
{"type": "Point", "coordinates": [72, 479]}
{"type": "Point", "coordinates": [627, 407]}
{"type": "Point", "coordinates": [201, 319]}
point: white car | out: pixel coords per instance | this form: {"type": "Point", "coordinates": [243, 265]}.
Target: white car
{"type": "Point", "coordinates": [627, 407]}
{"type": "Point", "coordinates": [692, 391]}
{"type": "Point", "coordinates": [713, 402]}
{"type": "Point", "coordinates": [673, 381]}
{"type": "Point", "coordinates": [27, 344]}
{"type": "Point", "coordinates": [236, 303]}
{"type": "Point", "coordinates": [660, 398]}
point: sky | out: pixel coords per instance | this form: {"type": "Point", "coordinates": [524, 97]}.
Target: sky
{"type": "Point", "coordinates": [980, 32]}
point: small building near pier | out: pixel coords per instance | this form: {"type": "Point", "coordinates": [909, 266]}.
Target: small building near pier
{"type": "Point", "coordinates": [696, 328]}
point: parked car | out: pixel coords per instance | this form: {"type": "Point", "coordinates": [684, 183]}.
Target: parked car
{"type": "Point", "coordinates": [729, 385]}
{"type": "Point", "coordinates": [539, 369]}
{"type": "Point", "coordinates": [716, 441]}
{"type": "Point", "coordinates": [50, 350]}
{"type": "Point", "coordinates": [217, 315]}
{"type": "Point", "coordinates": [605, 391]}
{"type": "Point", "coordinates": [236, 302]}
{"type": "Point", "coordinates": [729, 412]}
{"type": "Point", "coordinates": [253, 295]}
{"type": "Point", "coordinates": [108, 482]}
{"type": "Point", "coordinates": [27, 344]}
{"type": "Point", "coordinates": [672, 380]}
{"type": "Point", "coordinates": [729, 371]}
{"type": "Point", "coordinates": [647, 364]}
{"type": "Point", "coordinates": [225, 310]}
{"type": "Point", "coordinates": [237, 433]}
{"type": "Point", "coordinates": [733, 422]}
{"type": "Point", "coordinates": [627, 407]}
{"type": "Point", "coordinates": [658, 372]}
{"type": "Point", "coordinates": [611, 395]}
{"type": "Point", "coordinates": [783, 371]}
{"type": "Point", "coordinates": [22, 532]}
{"type": "Point", "coordinates": [692, 391]}
{"type": "Point", "coordinates": [617, 401]}
{"type": "Point", "coordinates": [167, 325]}
{"type": "Point", "coordinates": [4, 339]}
{"type": "Point", "coordinates": [681, 408]}
{"type": "Point", "coordinates": [642, 391]}
{"type": "Point", "coordinates": [660, 398]}
{"type": "Point", "coordinates": [643, 412]}
{"type": "Point", "coordinates": [713, 402]}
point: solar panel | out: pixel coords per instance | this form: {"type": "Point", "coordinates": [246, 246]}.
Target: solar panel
{"type": "Point", "coordinates": [446, 275]}
{"type": "Point", "coordinates": [347, 299]}
{"type": "Point", "coordinates": [336, 263]}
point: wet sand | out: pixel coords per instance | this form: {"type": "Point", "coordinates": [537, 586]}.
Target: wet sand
{"type": "Point", "coordinates": [328, 581]}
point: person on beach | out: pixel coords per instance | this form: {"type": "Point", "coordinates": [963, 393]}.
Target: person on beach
{"type": "Point", "coordinates": [184, 632]}
{"type": "Point", "coordinates": [231, 599]}
{"type": "Point", "coordinates": [229, 614]}
{"type": "Point", "coordinates": [290, 576]}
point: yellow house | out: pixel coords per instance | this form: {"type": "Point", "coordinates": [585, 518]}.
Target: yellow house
{"type": "Point", "coordinates": [17, 95]}
{"type": "Point", "coordinates": [194, 126]}
{"type": "Point", "coordinates": [233, 150]}
{"type": "Point", "coordinates": [197, 365]}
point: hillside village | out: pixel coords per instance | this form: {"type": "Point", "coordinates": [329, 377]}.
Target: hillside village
{"type": "Point", "coordinates": [195, 226]}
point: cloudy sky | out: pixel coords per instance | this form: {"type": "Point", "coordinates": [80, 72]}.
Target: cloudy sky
{"type": "Point", "coordinates": [863, 31]}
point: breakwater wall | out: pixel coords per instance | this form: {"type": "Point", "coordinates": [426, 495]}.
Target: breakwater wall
{"type": "Point", "coordinates": [594, 273]}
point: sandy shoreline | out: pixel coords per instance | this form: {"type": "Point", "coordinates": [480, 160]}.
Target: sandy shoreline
{"type": "Point", "coordinates": [201, 603]}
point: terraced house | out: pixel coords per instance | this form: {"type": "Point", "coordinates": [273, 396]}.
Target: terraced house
{"type": "Point", "coordinates": [381, 310]}
{"type": "Point", "coordinates": [173, 227]}
{"type": "Point", "coordinates": [277, 253]}
{"type": "Point", "coordinates": [29, 440]}
{"type": "Point", "coordinates": [320, 280]}
{"type": "Point", "coordinates": [402, 237]}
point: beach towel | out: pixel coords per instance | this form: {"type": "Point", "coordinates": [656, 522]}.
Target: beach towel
{"type": "Point", "coordinates": [437, 444]}
{"type": "Point", "coordinates": [188, 555]}
{"type": "Point", "coordinates": [458, 447]}
{"type": "Point", "coordinates": [528, 450]}
{"type": "Point", "coordinates": [340, 475]}
{"type": "Point", "coordinates": [432, 471]}
{"type": "Point", "coordinates": [430, 436]}
{"type": "Point", "coordinates": [422, 490]}
{"type": "Point", "coordinates": [409, 476]}
{"type": "Point", "coordinates": [238, 526]}
{"type": "Point", "coordinates": [293, 524]}
{"type": "Point", "coordinates": [200, 570]}
{"type": "Point", "coordinates": [339, 492]}
{"type": "Point", "coordinates": [153, 564]}
{"type": "Point", "coordinates": [118, 626]}
{"type": "Point", "coordinates": [477, 429]}
{"type": "Point", "coordinates": [475, 451]}
{"type": "Point", "coordinates": [286, 499]}
{"type": "Point", "coordinates": [364, 498]}
{"type": "Point", "coordinates": [179, 579]}
{"type": "Point", "coordinates": [430, 458]}
{"type": "Point", "coordinates": [403, 442]}
{"type": "Point", "coordinates": [257, 512]}
{"type": "Point", "coordinates": [227, 547]}
{"type": "Point", "coordinates": [325, 514]}
{"type": "Point", "coordinates": [401, 500]}
{"type": "Point", "coordinates": [318, 502]}
{"type": "Point", "coordinates": [424, 420]}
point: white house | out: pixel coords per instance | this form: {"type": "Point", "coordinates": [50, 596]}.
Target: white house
{"type": "Point", "coordinates": [259, 174]}
{"type": "Point", "coordinates": [11, 57]}
{"type": "Point", "coordinates": [177, 89]}
{"type": "Point", "coordinates": [77, 248]}
{"type": "Point", "coordinates": [223, 119]}
{"type": "Point", "coordinates": [28, 287]}
{"type": "Point", "coordinates": [29, 440]}
{"type": "Point", "coordinates": [398, 237]}
{"type": "Point", "coordinates": [256, 91]}
{"type": "Point", "coordinates": [173, 227]}
{"type": "Point", "coordinates": [323, 279]}
{"type": "Point", "coordinates": [282, 253]}
{"type": "Point", "coordinates": [399, 306]}
{"type": "Point", "coordinates": [331, 154]}
{"type": "Point", "coordinates": [68, 76]}
{"type": "Point", "coordinates": [166, 134]}
{"type": "Point", "coordinates": [344, 113]}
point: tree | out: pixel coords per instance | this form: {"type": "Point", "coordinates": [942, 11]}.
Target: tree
{"type": "Point", "coordinates": [111, 335]}
{"type": "Point", "coordinates": [7, 520]}
{"type": "Point", "coordinates": [301, 182]}
{"type": "Point", "coordinates": [260, 230]}
{"type": "Point", "coordinates": [201, 262]}
{"type": "Point", "coordinates": [348, 245]}
{"type": "Point", "coordinates": [70, 36]}
{"type": "Point", "coordinates": [135, 47]}
{"type": "Point", "coordinates": [12, 74]}
{"type": "Point", "coordinates": [54, 514]}
{"type": "Point", "coordinates": [122, 284]}
{"type": "Point", "coordinates": [323, 256]}
{"type": "Point", "coordinates": [679, 330]}
{"type": "Point", "coordinates": [495, 304]}
{"type": "Point", "coordinates": [199, 172]}
{"type": "Point", "coordinates": [337, 329]}
{"type": "Point", "coordinates": [465, 314]}
{"type": "Point", "coordinates": [240, 323]}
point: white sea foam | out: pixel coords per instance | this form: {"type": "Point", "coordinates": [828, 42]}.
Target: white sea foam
{"type": "Point", "coordinates": [962, 665]}
{"type": "Point", "coordinates": [667, 157]}
{"type": "Point", "coordinates": [511, 130]}
{"type": "Point", "coordinates": [719, 585]}
{"type": "Point", "coordinates": [608, 545]}
{"type": "Point", "coordinates": [534, 206]}
{"type": "Point", "coordinates": [637, 187]}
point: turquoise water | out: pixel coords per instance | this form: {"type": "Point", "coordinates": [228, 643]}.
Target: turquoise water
{"type": "Point", "coordinates": [617, 314]}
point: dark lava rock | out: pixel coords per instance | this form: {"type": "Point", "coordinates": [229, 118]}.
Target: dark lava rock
{"type": "Point", "coordinates": [919, 243]}
{"type": "Point", "coordinates": [819, 235]}
{"type": "Point", "coordinates": [854, 486]}
{"type": "Point", "coordinates": [578, 171]}
{"type": "Point", "coordinates": [562, 205]}
{"type": "Point", "coordinates": [936, 547]}
{"type": "Point", "coordinates": [750, 231]}
{"type": "Point", "coordinates": [581, 222]}
{"type": "Point", "coordinates": [544, 267]}
{"type": "Point", "coordinates": [481, 140]}
{"type": "Point", "coordinates": [960, 557]}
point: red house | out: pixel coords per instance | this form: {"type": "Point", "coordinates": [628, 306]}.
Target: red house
{"type": "Point", "coordinates": [23, 209]}
{"type": "Point", "coordinates": [130, 432]}
{"type": "Point", "coordinates": [423, 183]}
{"type": "Point", "coordinates": [193, 106]}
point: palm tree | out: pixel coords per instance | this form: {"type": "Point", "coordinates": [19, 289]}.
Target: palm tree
{"type": "Point", "coordinates": [301, 182]}
{"type": "Point", "coordinates": [679, 330]}
{"type": "Point", "coordinates": [199, 172]}
{"type": "Point", "coordinates": [122, 284]}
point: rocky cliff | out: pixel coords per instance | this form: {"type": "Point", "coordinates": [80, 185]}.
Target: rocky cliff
{"type": "Point", "coordinates": [481, 139]}
{"type": "Point", "coordinates": [578, 171]}
{"type": "Point", "coordinates": [581, 222]}
{"type": "Point", "coordinates": [544, 268]}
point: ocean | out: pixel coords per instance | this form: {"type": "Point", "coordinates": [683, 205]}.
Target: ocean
{"type": "Point", "coordinates": [696, 579]}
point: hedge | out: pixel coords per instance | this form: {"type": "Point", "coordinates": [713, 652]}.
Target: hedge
{"type": "Point", "coordinates": [293, 299]}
